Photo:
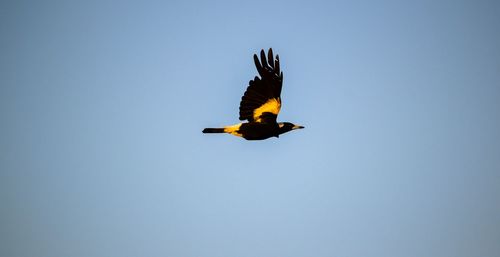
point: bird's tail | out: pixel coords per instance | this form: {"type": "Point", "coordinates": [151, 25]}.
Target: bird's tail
{"type": "Point", "coordinates": [213, 130]}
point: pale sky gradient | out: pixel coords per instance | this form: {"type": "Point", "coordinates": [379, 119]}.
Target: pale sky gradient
{"type": "Point", "coordinates": [102, 104]}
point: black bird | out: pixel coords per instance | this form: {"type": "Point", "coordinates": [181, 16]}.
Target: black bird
{"type": "Point", "coordinates": [261, 103]}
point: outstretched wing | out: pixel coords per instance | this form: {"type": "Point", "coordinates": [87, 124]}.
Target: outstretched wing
{"type": "Point", "coordinates": [261, 101]}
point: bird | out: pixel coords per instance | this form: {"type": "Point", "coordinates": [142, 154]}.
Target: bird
{"type": "Point", "coordinates": [261, 103]}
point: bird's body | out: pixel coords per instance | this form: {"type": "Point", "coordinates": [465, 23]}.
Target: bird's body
{"type": "Point", "coordinates": [260, 104]}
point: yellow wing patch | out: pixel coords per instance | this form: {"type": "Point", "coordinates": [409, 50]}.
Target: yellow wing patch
{"type": "Point", "coordinates": [272, 105]}
{"type": "Point", "coordinates": [233, 129]}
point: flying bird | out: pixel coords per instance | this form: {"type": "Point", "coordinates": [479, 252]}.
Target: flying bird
{"type": "Point", "coordinates": [261, 103]}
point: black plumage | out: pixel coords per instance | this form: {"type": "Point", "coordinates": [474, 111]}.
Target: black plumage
{"type": "Point", "coordinates": [261, 103]}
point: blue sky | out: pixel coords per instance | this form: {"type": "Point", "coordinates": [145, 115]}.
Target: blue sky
{"type": "Point", "coordinates": [102, 104]}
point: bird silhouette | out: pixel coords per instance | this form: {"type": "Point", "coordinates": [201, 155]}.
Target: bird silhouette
{"type": "Point", "coordinates": [261, 103]}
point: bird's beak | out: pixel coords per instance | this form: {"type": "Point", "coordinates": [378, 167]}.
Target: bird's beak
{"type": "Point", "coordinates": [297, 127]}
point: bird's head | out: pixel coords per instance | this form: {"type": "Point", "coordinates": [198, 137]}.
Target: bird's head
{"type": "Point", "coordinates": [287, 126]}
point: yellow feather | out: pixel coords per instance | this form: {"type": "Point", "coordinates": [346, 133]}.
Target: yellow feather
{"type": "Point", "coordinates": [272, 105]}
{"type": "Point", "coordinates": [233, 129]}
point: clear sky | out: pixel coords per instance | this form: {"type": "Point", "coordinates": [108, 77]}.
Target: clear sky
{"type": "Point", "coordinates": [102, 104]}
